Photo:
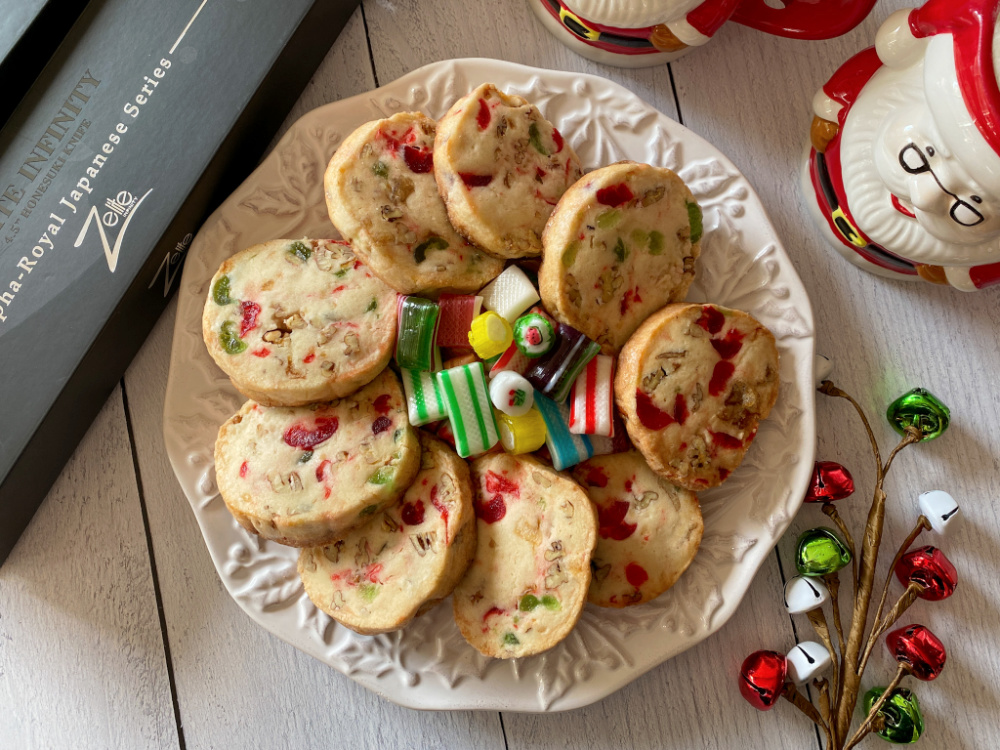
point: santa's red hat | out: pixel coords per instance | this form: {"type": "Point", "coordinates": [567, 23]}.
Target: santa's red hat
{"type": "Point", "coordinates": [957, 40]}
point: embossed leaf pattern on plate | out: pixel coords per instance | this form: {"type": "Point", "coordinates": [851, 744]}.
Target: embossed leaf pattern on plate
{"type": "Point", "coordinates": [428, 664]}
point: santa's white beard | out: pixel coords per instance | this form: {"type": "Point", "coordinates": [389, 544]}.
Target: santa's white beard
{"type": "Point", "coordinates": [868, 198]}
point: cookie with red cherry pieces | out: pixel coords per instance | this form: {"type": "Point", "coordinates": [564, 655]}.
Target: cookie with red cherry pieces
{"type": "Point", "coordinates": [648, 530]}
{"type": "Point", "coordinates": [292, 322]}
{"type": "Point", "coordinates": [527, 584]}
{"type": "Point", "coordinates": [407, 558]}
{"type": "Point", "coordinates": [692, 385]}
{"type": "Point", "coordinates": [621, 243]}
{"type": "Point", "coordinates": [501, 168]}
{"type": "Point", "coordinates": [304, 475]}
{"type": "Point", "coordinates": [381, 195]}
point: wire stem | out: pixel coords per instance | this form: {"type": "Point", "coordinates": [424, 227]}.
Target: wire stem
{"type": "Point", "coordinates": [922, 525]}
{"type": "Point", "coordinates": [793, 696]}
{"type": "Point", "coordinates": [866, 725]}
{"type": "Point", "coordinates": [831, 511]}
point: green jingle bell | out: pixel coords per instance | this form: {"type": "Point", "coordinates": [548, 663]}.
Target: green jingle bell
{"type": "Point", "coordinates": [921, 409]}
{"type": "Point", "coordinates": [820, 552]}
{"type": "Point", "coordinates": [902, 723]}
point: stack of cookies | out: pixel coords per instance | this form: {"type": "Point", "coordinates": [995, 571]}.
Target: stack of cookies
{"type": "Point", "coordinates": [488, 292]}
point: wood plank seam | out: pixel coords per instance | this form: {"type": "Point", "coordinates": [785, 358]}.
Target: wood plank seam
{"type": "Point", "coordinates": [161, 616]}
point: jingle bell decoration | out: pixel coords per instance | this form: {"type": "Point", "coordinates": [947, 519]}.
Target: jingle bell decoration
{"type": "Point", "coordinates": [820, 552]}
{"type": "Point", "coordinates": [904, 175]}
{"type": "Point", "coordinates": [921, 409]}
{"type": "Point", "coordinates": [892, 712]}
{"type": "Point", "coordinates": [939, 508]}
{"type": "Point", "coordinates": [929, 567]}
{"type": "Point", "coordinates": [761, 678]}
{"type": "Point", "coordinates": [803, 594]}
{"type": "Point", "coordinates": [830, 482]}
{"type": "Point", "coordinates": [806, 661]}
{"type": "Point", "coordinates": [822, 368]}
{"type": "Point", "coordinates": [918, 647]}
{"type": "Point", "coordinates": [901, 717]}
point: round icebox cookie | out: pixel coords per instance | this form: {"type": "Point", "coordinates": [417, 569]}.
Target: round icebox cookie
{"type": "Point", "coordinates": [621, 243]}
{"type": "Point", "coordinates": [304, 475]}
{"type": "Point", "coordinates": [527, 584]}
{"type": "Point", "coordinates": [501, 167]}
{"type": "Point", "coordinates": [407, 558]}
{"type": "Point", "coordinates": [381, 195]}
{"type": "Point", "coordinates": [648, 530]}
{"type": "Point", "coordinates": [692, 385]}
{"type": "Point", "coordinates": [297, 321]}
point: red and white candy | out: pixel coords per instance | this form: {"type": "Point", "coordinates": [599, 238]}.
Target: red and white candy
{"type": "Point", "coordinates": [592, 403]}
{"type": "Point", "coordinates": [512, 394]}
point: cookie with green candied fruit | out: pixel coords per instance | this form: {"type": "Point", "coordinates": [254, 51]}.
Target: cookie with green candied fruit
{"type": "Point", "coordinates": [526, 586]}
{"type": "Point", "coordinates": [621, 243]}
{"type": "Point", "coordinates": [501, 167]}
{"type": "Point", "coordinates": [407, 558]}
{"type": "Point", "coordinates": [293, 322]}
{"type": "Point", "coordinates": [693, 384]}
{"type": "Point", "coordinates": [381, 195]}
{"type": "Point", "coordinates": [305, 475]}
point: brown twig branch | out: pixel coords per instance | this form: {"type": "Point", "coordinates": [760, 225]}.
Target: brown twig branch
{"type": "Point", "coordinates": [822, 688]}
{"type": "Point", "coordinates": [790, 693]}
{"type": "Point", "coordinates": [838, 667]}
{"type": "Point", "coordinates": [910, 595]}
{"type": "Point", "coordinates": [829, 389]}
{"type": "Point", "coordinates": [866, 725]}
{"type": "Point", "coordinates": [818, 620]}
{"type": "Point", "coordinates": [922, 525]}
{"type": "Point", "coordinates": [850, 683]}
{"type": "Point", "coordinates": [831, 511]}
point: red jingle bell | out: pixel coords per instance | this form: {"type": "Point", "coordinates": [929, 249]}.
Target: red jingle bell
{"type": "Point", "coordinates": [830, 481]}
{"type": "Point", "coordinates": [761, 678]}
{"type": "Point", "coordinates": [929, 567]}
{"type": "Point", "coordinates": [918, 647]}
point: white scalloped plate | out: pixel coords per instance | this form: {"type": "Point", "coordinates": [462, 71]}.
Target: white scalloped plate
{"type": "Point", "coordinates": [428, 664]}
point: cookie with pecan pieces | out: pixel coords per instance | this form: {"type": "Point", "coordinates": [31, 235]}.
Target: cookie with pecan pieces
{"type": "Point", "coordinates": [648, 530]}
{"type": "Point", "coordinates": [501, 168]}
{"type": "Point", "coordinates": [527, 584]}
{"type": "Point", "coordinates": [381, 195]}
{"type": "Point", "coordinates": [693, 384]}
{"type": "Point", "coordinates": [621, 243]}
{"type": "Point", "coordinates": [407, 558]}
{"type": "Point", "coordinates": [292, 322]}
{"type": "Point", "coordinates": [304, 475]}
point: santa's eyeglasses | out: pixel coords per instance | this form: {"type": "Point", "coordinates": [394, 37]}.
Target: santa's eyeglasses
{"type": "Point", "coordinates": [913, 161]}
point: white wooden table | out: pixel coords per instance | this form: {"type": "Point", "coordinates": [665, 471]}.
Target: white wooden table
{"type": "Point", "coordinates": [115, 631]}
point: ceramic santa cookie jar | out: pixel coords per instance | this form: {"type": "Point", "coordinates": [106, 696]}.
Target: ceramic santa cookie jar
{"type": "Point", "coordinates": [633, 34]}
{"type": "Point", "coordinates": [903, 175]}
{"type": "Point", "coordinates": [637, 34]}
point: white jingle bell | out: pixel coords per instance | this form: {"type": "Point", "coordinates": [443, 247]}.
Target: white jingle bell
{"type": "Point", "coordinates": [512, 393]}
{"type": "Point", "coordinates": [822, 368]}
{"type": "Point", "coordinates": [940, 509]}
{"type": "Point", "coordinates": [806, 661]}
{"type": "Point", "coordinates": [803, 594]}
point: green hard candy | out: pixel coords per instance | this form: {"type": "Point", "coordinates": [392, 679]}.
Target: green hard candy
{"type": "Point", "coordinates": [921, 409]}
{"type": "Point", "coordinates": [901, 714]}
{"type": "Point", "coordinates": [820, 552]}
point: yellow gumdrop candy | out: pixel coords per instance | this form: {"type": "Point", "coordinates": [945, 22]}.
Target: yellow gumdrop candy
{"type": "Point", "coordinates": [490, 335]}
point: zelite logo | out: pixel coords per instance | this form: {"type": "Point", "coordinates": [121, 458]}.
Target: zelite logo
{"type": "Point", "coordinates": [118, 213]}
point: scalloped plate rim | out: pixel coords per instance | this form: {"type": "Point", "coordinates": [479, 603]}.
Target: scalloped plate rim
{"type": "Point", "coordinates": [602, 682]}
